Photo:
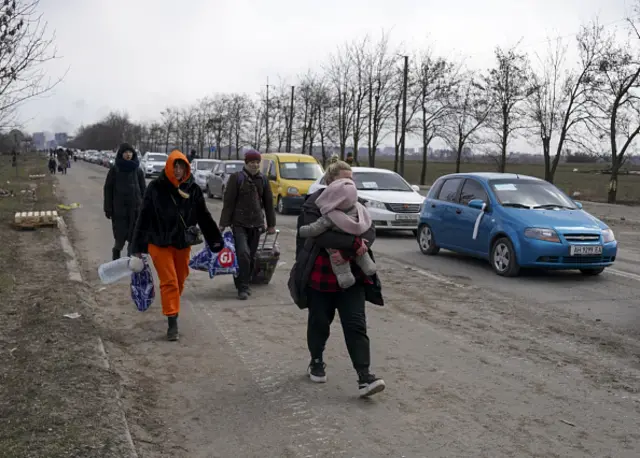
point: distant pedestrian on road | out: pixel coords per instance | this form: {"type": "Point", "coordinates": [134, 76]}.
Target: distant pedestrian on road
{"type": "Point", "coordinates": [247, 201]}
{"type": "Point", "coordinates": [124, 189]}
{"type": "Point", "coordinates": [63, 160]}
{"type": "Point", "coordinates": [314, 285]}
{"type": "Point", "coordinates": [52, 165]}
{"type": "Point", "coordinates": [173, 206]}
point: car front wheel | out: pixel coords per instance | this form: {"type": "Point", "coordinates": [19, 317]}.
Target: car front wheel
{"type": "Point", "coordinates": [503, 258]}
{"type": "Point", "coordinates": [592, 272]}
{"type": "Point", "coordinates": [280, 206]}
{"type": "Point", "coordinates": [426, 241]}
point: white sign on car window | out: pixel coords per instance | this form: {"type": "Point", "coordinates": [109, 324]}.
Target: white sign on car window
{"type": "Point", "coordinates": [289, 165]}
{"type": "Point", "coordinates": [370, 185]}
{"type": "Point", "coordinates": [505, 187]}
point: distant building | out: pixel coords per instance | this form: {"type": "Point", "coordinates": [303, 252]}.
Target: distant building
{"type": "Point", "coordinates": [61, 138]}
{"type": "Point", "coordinates": [39, 141]}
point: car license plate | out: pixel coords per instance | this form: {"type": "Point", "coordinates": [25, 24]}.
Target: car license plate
{"type": "Point", "coordinates": [409, 218]}
{"type": "Point", "coordinates": [585, 250]}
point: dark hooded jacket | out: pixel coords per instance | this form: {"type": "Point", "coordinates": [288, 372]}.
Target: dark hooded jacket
{"type": "Point", "coordinates": [307, 250]}
{"type": "Point", "coordinates": [123, 192]}
{"type": "Point", "coordinates": [169, 206]}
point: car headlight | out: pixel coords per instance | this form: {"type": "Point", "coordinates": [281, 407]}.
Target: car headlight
{"type": "Point", "coordinates": [293, 191]}
{"type": "Point", "coordinates": [375, 204]}
{"type": "Point", "coordinates": [540, 233]}
{"type": "Point", "coordinates": [608, 236]}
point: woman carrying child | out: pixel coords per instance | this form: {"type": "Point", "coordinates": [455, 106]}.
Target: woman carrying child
{"type": "Point", "coordinates": [329, 273]}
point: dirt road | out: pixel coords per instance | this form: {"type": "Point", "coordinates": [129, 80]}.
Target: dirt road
{"type": "Point", "coordinates": [475, 366]}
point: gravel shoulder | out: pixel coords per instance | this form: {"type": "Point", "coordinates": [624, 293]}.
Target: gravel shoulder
{"type": "Point", "coordinates": [57, 396]}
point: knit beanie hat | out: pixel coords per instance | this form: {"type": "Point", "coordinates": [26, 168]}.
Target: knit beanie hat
{"type": "Point", "coordinates": [252, 155]}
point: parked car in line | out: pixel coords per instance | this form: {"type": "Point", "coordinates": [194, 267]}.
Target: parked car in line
{"type": "Point", "coordinates": [201, 169]}
{"type": "Point", "coordinates": [513, 221]}
{"type": "Point", "coordinates": [218, 178]}
{"type": "Point", "coordinates": [393, 203]}
{"type": "Point", "coordinates": [152, 164]}
{"type": "Point", "coordinates": [290, 175]}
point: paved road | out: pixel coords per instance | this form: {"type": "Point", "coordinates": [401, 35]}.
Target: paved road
{"type": "Point", "coordinates": [476, 365]}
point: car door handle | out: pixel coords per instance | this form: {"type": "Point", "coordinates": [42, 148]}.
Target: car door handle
{"type": "Point", "coordinates": [458, 211]}
{"type": "Point", "coordinates": [433, 205]}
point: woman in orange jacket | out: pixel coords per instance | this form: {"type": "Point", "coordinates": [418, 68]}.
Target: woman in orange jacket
{"type": "Point", "coordinates": [173, 206]}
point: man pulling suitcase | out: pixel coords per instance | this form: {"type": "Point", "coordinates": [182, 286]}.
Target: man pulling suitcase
{"type": "Point", "coordinates": [247, 202]}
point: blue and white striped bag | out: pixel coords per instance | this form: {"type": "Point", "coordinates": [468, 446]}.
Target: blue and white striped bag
{"type": "Point", "coordinates": [142, 289]}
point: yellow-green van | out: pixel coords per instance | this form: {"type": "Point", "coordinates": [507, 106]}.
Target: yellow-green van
{"type": "Point", "coordinates": [290, 176]}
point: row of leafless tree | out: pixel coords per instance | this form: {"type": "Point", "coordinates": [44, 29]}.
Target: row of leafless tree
{"type": "Point", "coordinates": [368, 93]}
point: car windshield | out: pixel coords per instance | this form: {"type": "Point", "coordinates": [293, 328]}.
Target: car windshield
{"type": "Point", "coordinates": [233, 167]}
{"type": "Point", "coordinates": [530, 194]}
{"type": "Point", "coordinates": [380, 181]}
{"type": "Point", "coordinates": [300, 171]}
{"type": "Point", "coordinates": [205, 165]}
{"type": "Point", "coordinates": [157, 157]}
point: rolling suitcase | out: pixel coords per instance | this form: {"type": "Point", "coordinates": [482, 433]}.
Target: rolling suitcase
{"type": "Point", "coordinates": [266, 260]}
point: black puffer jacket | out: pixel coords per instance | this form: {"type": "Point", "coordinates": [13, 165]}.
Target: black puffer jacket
{"type": "Point", "coordinates": [124, 189]}
{"type": "Point", "coordinates": [307, 250]}
{"type": "Point", "coordinates": [165, 212]}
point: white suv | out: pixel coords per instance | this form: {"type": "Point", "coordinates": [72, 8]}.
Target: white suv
{"type": "Point", "coordinates": [152, 164]}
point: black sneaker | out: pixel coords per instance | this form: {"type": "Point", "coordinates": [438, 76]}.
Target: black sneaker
{"type": "Point", "coordinates": [316, 371]}
{"type": "Point", "coordinates": [172, 332]}
{"type": "Point", "coordinates": [243, 295]}
{"type": "Point", "coordinates": [369, 384]}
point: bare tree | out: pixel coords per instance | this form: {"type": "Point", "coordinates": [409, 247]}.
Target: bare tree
{"type": "Point", "coordinates": [339, 75]}
{"type": "Point", "coordinates": [617, 83]}
{"type": "Point", "coordinates": [435, 78]}
{"type": "Point", "coordinates": [359, 53]}
{"type": "Point", "coordinates": [413, 108]}
{"type": "Point", "coordinates": [470, 109]}
{"type": "Point", "coordinates": [508, 86]}
{"type": "Point", "coordinates": [381, 79]}
{"type": "Point", "coordinates": [25, 47]}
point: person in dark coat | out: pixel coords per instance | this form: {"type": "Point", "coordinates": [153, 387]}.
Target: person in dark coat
{"type": "Point", "coordinates": [313, 285]}
{"type": "Point", "coordinates": [247, 202]}
{"type": "Point", "coordinates": [172, 205]}
{"type": "Point", "coordinates": [123, 193]}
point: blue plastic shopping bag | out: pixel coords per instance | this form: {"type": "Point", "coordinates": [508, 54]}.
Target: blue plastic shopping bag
{"type": "Point", "coordinates": [142, 289]}
{"type": "Point", "coordinates": [202, 260]}
{"type": "Point", "coordinates": [225, 262]}
{"type": "Point", "coordinates": [222, 263]}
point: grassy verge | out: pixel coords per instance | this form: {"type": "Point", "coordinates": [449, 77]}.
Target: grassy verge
{"type": "Point", "coordinates": [56, 396]}
{"type": "Point", "coordinates": [591, 185]}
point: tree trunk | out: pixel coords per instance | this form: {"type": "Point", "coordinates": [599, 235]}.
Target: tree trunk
{"type": "Point", "coordinates": [426, 140]}
{"type": "Point", "coordinates": [458, 156]}
{"type": "Point", "coordinates": [613, 181]}
{"type": "Point", "coordinates": [547, 160]}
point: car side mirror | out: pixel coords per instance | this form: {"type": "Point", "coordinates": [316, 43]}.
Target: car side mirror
{"type": "Point", "coordinates": [478, 204]}
{"type": "Point", "coordinates": [578, 204]}
{"type": "Point", "coordinates": [415, 187]}
{"type": "Point", "coordinates": [273, 178]}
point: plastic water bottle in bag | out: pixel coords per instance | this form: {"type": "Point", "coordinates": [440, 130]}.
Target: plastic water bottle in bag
{"type": "Point", "coordinates": [111, 272]}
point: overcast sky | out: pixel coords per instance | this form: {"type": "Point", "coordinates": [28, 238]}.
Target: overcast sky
{"type": "Point", "coordinates": [143, 55]}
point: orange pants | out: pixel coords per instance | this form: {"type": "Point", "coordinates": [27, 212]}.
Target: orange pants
{"type": "Point", "coordinates": [172, 266]}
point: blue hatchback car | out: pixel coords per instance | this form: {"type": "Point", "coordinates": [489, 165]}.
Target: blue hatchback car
{"type": "Point", "coordinates": [513, 221]}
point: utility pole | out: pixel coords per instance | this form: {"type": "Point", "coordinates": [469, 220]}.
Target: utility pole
{"type": "Point", "coordinates": [404, 113]}
{"type": "Point", "coordinates": [267, 118]}
{"type": "Point", "coordinates": [289, 146]}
